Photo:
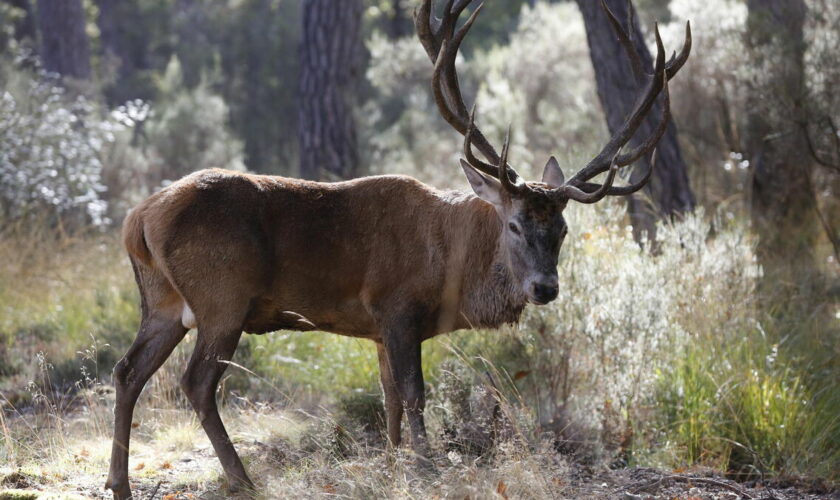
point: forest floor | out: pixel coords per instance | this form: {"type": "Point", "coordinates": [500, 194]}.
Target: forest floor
{"type": "Point", "coordinates": [297, 454]}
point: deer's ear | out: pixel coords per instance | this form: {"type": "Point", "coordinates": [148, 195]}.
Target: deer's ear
{"type": "Point", "coordinates": [553, 175]}
{"type": "Point", "coordinates": [486, 188]}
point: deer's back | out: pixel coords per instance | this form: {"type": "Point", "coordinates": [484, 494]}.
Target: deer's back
{"type": "Point", "coordinates": [332, 252]}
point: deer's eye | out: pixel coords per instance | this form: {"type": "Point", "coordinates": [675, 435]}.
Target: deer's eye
{"type": "Point", "coordinates": [514, 229]}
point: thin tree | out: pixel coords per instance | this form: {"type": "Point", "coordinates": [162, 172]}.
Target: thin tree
{"type": "Point", "coordinates": [330, 56]}
{"type": "Point", "coordinates": [399, 24]}
{"type": "Point", "coordinates": [617, 88]}
{"type": "Point", "coordinates": [64, 46]}
{"type": "Point", "coordinates": [25, 27]}
{"type": "Point", "coordinates": [783, 202]}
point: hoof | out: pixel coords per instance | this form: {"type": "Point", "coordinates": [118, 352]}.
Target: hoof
{"type": "Point", "coordinates": [121, 490]}
{"type": "Point", "coordinates": [423, 464]}
{"type": "Point", "coordinates": [241, 486]}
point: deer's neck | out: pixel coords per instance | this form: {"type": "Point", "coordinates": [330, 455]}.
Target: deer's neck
{"type": "Point", "coordinates": [489, 296]}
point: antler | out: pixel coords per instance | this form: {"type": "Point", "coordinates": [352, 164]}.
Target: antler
{"type": "Point", "coordinates": [657, 82]}
{"type": "Point", "coordinates": [441, 42]}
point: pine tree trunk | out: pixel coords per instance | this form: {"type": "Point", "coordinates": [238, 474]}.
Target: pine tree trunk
{"type": "Point", "coordinates": [399, 24]}
{"type": "Point", "coordinates": [64, 44]}
{"type": "Point", "coordinates": [194, 50]}
{"type": "Point", "coordinates": [618, 92]}
{"type": "Point", "coordinates": [783, 203]}
{"type": "Point", "coordinates": [25, 28]}
{"type": "Point", "coordinates": [330, 54]}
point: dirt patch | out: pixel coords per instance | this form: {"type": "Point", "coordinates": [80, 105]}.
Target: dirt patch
{"type": "Point", "coordinates": [17, 480]}
{"type": "Point", "coordinates": [646, 483]}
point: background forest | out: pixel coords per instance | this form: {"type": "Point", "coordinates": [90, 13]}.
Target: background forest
{"type": "Point", "coordinates": [697, 325]}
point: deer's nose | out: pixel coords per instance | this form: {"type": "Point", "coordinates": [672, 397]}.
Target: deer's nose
{"type": "Point", "coordinates": [545, 292]}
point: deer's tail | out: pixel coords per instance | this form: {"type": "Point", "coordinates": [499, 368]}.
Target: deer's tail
{"type": "Point", "coordinates": [134, 238]}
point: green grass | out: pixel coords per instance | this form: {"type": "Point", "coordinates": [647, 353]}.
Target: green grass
{"type": "Point", "coordinates": [745, 406]}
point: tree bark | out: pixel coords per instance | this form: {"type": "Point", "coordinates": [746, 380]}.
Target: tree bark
{"type": "Point", "coordinates": [26, 27]}
{"type": "Point", "coordinates": [64, 44]}
{"type": "Point", "coordinates": [399, 24]}
{"type": "Point", "coordinates": [330, 55]}
{"type": "Point", "coordinates": [193, 49]}
{"type": "Point", "coordinates": [783, 202]}
{"type": "Point", "coordinates": [618, 92]}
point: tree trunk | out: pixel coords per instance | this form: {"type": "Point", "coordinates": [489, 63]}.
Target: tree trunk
{"type": "Point", "coordinates": [25, 28]}
{"type": "Point", "coordinates": [618, 92]}
{"type": "Point", "coordinates": [399, 24]}
{"type": "Point", "coordinates": [783, 202]}
{"type": "Point", "coordinates": [330, 54]}
{"type": "Point", "coordinates": [193, 49]}
{"type": "Point", "coordinates": [64, 43]}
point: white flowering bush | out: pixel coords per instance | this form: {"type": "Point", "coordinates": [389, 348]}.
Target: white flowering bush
{"type": "Point", "coordinates": [49, 156]}
{"type": "Point", "coordinates": [590, 362]}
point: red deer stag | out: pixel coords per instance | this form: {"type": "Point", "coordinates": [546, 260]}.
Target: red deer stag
{"type": "Point", "coordinates": [385, 258]}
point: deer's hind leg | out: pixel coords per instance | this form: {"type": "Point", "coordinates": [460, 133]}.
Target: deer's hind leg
{"type": "Point", "coordinates": [214, 347]}
{"type": "Point", "coordinates": [160, 331]}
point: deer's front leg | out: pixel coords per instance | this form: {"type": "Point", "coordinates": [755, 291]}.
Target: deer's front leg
{"type": "Point", "coordinates": [393, 402]}
{"type": "Point", "coordinates": [403, 355]}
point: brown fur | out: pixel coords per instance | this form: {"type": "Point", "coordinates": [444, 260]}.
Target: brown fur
{"type": "Point", "coordinates": [336, 253]}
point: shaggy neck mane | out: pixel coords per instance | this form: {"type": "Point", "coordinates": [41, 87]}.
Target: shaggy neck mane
{"type": "Point", "coordinates": [488, 295]}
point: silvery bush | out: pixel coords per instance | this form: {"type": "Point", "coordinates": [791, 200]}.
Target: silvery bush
{"type": "Point", "coordinates": [49, 155]}
{"type": "Point", "coordinates": [626, 309]}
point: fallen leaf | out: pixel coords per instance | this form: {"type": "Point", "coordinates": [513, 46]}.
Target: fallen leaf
{"type": "Point", "coordinates": [166, 465]}
{"type": "Point", "coordinates": [521, 374]}
{"type": "Point", "coordinates": [140, 466]}
{"type": "Point", "coordinates": [501, 489]}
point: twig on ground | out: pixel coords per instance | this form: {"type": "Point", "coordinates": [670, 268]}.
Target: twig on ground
{"type": "Point", "coordinates": [689, 479]}
{"type": "Point", "coordinates": [154, 491]}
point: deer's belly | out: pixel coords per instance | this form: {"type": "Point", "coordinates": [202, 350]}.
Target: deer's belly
{"type": "Point", "coordinates": [344, 316]}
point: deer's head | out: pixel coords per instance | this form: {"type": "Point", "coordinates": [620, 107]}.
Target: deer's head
{"type": "Point", "coordinates": [531, 213]}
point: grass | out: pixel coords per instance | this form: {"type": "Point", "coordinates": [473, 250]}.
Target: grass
{"type": "Point", "coordinates": [686, 371]}
{"type": "Point", "coordinates": [746, 409]}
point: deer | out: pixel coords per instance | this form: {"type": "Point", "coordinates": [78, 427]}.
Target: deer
{"type": "Point", "coordinates": [385, 258]}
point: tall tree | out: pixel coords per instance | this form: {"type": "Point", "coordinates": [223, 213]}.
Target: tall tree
{"type": "Point", "coordinates": [618, 90]}
{"type": "Point", "coordinates": [260, 69]}
{"type": "Point", "coordinates": [330, 53]}
{"type": "Point", "coordinates": [193, 49]}
{"type": "Point", "coordinates": [783, 202]}
{"type": "Point", "coordinates": [24, 28]}
{"type": "Point", "coordinates": [64, 44]}
{"type": "Point", "coordinates": [399, 24]}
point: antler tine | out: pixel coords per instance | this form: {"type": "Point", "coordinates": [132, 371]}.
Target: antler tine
{"type": "Point", "coordinates": [626, 159]}
{"type": "Point", "coordinates": [651, 142]}
{"type": "Point", "coordinates": [603, 160]}
{"type": "Point", "coordinates": [468, 154]}
{"type": "Point", "coordinates": [450, 95]}
{"type": "Point", "coordinates": [674, 62]}
{"type": "Point", "coordinates": [506, 172]}
{"type": "Point", "coordinates": [571, 192]}
{"type": "Point", "coordinates": [675, 65]}
{"type": "Point", "coordinates": [442, 42]}
{"type": "Point", "coordinates": [590, 187]}
{"type": "Point", "coordinates": [625, 40]}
